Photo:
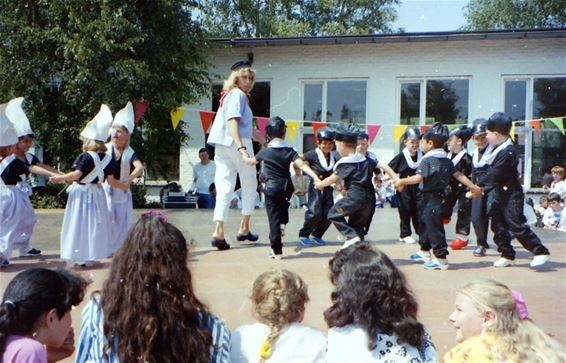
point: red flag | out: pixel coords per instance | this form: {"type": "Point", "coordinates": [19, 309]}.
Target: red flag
{"type": "Point", "coordinates": [262, 123]}
{"type": "Point", "coordinates": [373, 130]}
{"type": "Point", "coordinates": [317, 125]}
{"type": "Point", "coordinates": [206, 118]}
{"type": "Point", "coordinates": [139, 109]}
{"type": "Point", "coordinates": [423, 128]}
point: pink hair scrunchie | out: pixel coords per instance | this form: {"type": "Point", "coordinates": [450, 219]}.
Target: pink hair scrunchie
{"type": "Point", "coordinates": [520, 304]}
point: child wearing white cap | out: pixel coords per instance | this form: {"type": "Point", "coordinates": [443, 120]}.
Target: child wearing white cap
{"type": "Point", "coordinates": [16, 212]}
{"type": "Point", "coordinates": [127, 168]}
{"type": "Point", "coordinates": [85, 235]}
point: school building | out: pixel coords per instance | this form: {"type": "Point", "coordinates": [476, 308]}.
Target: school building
{"type": "Point", "coordinates": [403, 79]}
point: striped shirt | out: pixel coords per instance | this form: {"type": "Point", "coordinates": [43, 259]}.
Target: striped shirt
{"type": "Point", "coordinates": [91, 340]}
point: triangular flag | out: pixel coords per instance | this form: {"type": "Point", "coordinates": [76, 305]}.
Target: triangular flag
{"type": "Point", "coordinates": [372, 132]}
{"type": "Point", "coordinates": [423, 128]}
{"type": "Point", "coordinates": [558, 122]}
{"type": "Point", "coordinates": [206, 118]}
{"type": "Point", "coordinates": [292, 128]}
{"type": "Point", "coordinates": [536, 125]}
{"type": "Point", "coordinates": [315, 126]}
{"type": "Point", "coordinates": [512, 132]}
{"type": "Point", "coordinates": [262, 123]}
{"type": "Point", "coordinates": [139, 109]}
{"type": "Point", "coordinates": [176, 115]}
{"type": "Point", "coordinates": [398, 131]}
{"type": "Point", "coordinates": [452, 126]}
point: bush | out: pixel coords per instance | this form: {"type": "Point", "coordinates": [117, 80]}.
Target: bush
{"type": "Point", "coordinates": [51, 196]}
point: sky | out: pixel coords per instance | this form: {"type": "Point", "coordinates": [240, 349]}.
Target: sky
{"type": "Point", "coordinates": [430, 15]}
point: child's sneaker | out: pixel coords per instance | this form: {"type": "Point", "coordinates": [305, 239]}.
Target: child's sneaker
{"type": "Point", "coordinates": [305, 241]}
{"type": "Point", "coordinates": [31, 252]}
{"type": "Point", "coordinates": [540, 260]}
{"type": "Point", "coordinates": [436, 264]}
{"type": "Point", "coordinates": [503, 262]}
{"type": "Point", "coordinates": [318, 241]}
{"type": "Point", "coordinates": [273, 256]}
{"type": "Point", "coordinates": [479, 252]}
{"type": "Point", "coordinates": [420, 256]}
{"type": "Point", "coordinates": [408, 240]}
{"type": "Point", "coordinates": [3, 261]}
{"type": "Point", "coordinates": [350, 242]}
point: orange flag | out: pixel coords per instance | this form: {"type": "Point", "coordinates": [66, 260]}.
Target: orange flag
{"type": "Point", "coordinates": [206, 118]}
{"type": "Point", "coordinates": [536, 125]}
{"type": "Point", "coordinates": [317, 125]}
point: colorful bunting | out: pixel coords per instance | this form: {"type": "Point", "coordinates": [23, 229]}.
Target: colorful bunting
{"type": "Point", "coordinates": [206, 119]}
{"type": "Point", "coordinates": [536, 125]}
{"type": "Point", "coordinates": [176, 116]}
{"type": "Point", "coordinates": [423, 128]}
{"type": "Point", "coordinates": [262, 123]}
{"type": "Point", "coordinates": [398, 131]}
{"type": "Point", "coordinates": [512, 132]}
{"type": "Point", "coordinates": [373, 130]}
{"type": "Point", "coordinates": [139, 109]}
{"type": "Point", "coordinates": [557, 121]}
{"type": "Point", "coordinates": [292, 128]}
{"type": "Point", "coordinates": [317, 125]}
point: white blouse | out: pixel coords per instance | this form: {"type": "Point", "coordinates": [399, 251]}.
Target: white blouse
{"type": "Point", "coordinates": [297, 343]}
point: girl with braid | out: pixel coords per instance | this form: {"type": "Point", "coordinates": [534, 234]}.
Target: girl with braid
{"type": "Point", "coordinates": [278, 301]}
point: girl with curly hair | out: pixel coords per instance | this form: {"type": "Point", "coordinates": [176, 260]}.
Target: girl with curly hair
{"type": "Point", "coordinates": [147, 310]}
{"type": "Point", "coordinates": [493, 325]}
{"type": "Point", "coordinates": [278, 299]}
{"type": "Point", "coordinates": [373, 317]}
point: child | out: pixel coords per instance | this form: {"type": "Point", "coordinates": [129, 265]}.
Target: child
{"type": "Point", "coordinates": [147, 310]}
{"type": "Point", "coordinates": [373, 317]}
{"type": "Point", "coordinates": [554, 216]}
{"type": "Point", "coordinates": [506, 212]}
{"type": "Point", "coordinates": [278, 300]}
{"type": "Point", "coordinates": [434, 172]}
{"type": "Point", "coordinates": [405, 164]}
{"type": "Point", "coordinates": [127, 168]}
{"type": "Point", "coordinates": [480, 219]}
{"type": "Point", "coordinates": [356, 172]}
{"type": "Point", "coordinates": [493, 325]}
{"type": "Point", "coordinates": [543, 204]}
{"type": "Point", "coordinates": [277, 184]}
{"type": "Point", "coordinates": [301, 185]}
{"type": "Point", "coordinates": [558, 184]}
{"type": "Point", "coordinates": [321, 160]}
{"type": "Point", "coordinates": [456, 192]}
{"type": "Point", "coordinates": [85, 235]}
{"type": "Point", "coordinates": [17, 215]}
{"type": "Point", "coordinates": [36, 312]}
{"type": "Point", "coordinates": [362, 148]}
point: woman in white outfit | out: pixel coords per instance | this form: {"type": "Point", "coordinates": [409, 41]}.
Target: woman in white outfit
{"type": "Point", "coordinates": [231, 134]}
{"type": "Point", "coordinates": [85, 235]}
{"type": "Point", "coordinates": [128, 167]}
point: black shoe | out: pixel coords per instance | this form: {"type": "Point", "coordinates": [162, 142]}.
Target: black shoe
{"type": "Point", "coordinates": [221, 245]}
{"type": "Point", "coordinates": [250, 237]}
{"type": "Point", "coordinates": [4, 263]}
{"type": "Point", "coordinates": [32, 252]}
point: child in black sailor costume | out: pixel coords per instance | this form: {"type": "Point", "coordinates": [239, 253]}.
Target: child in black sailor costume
{"type": "Point", "coordinates": [127, 168]}
{"type": "Point", "coordinates": [434, 172]}
{"type": "Point", "coordinates": [85, 235]}
{"type": "Point", "coordinates": [506, 209]}
{"type": "Point", "coordinates": [456, 192]}
{"type": "Point", "coordinates": [18, 217]}
{"type": "Point", "coordinates": [376, 167]}
{"type": "Point", "coordinates": [276, 180]}
{"type": "Point", "coordinates": [321, 160]}
{"type": "Point", "coordinates": [480, 219]}
{"type": "Point", "coordinates": [356, 172]}
{"type": "Point", "coordinates": [405, 164]}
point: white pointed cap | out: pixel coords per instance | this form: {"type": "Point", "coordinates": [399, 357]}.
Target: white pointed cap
{"type": "Point", "coordinates": [8, 135]}
{"type": "Point", "coordinates": [125, 118]}
{"type": "Point", "coordinates": [17, 116]}
{"type": "Point", "coordinates": [98, 127]}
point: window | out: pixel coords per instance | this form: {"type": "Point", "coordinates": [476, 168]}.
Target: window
{"type": "Point", "coordinates": [260, 98]}
{"type": "Point", "coordinates": [515, 99]}
{"type": "Point", "coordinates": [444, 100]}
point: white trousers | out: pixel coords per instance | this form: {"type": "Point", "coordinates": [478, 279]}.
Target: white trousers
{"type": "Point", "coordinates": [229, 163]}
{"type": "Point", "coordinates": [17, 220]}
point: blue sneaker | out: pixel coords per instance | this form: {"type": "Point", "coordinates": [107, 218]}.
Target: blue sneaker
{"type": "Point", "coordinates": [420, 256]}
{"type": "Point", "coordinates": [434, 264]}
{"type": "Point", "coordinates": [318, 241]}
{"type": "Point", "coordinates": [305, 241]}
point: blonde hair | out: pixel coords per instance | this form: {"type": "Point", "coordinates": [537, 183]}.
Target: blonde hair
{"type": "Point", "coordinates": [93, 145]}
{"type": "Point", "coordinates": [232, 81]}
{"type": "Point", "coordinates": [279, 297]}
{"type": "Point", "coordinates": [522, 340]}
{"type": "Point", "coordinates": [558, 170]}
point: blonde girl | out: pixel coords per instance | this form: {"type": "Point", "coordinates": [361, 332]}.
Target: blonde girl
{"type": "Point", "coordinates": [278, 301]}
{"type": "Point", "coordinates": [493, 325]}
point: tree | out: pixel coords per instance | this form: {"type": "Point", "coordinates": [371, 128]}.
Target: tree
{"type": "Point", "coordinates": [515, 14]}
{"type": "Point", "coordinates": [287, 18]}
{"type": "Point", "coordinates": [68, 57]}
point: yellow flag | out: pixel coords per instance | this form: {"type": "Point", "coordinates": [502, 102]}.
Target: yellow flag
{"type": "Point", "coordinates": [292, 128]}
{"type": "Point", "coordinates": [398, 131]}
{"type": "Point", "coordinates": [176, 116]}
{"type": "Point", "coordinates": [512, 132]}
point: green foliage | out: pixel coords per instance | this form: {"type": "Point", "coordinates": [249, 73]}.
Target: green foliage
{"type": "Point", "coordinates": [515, 14]}
{"type": "Point", "coordinates": [287, 18]}
{"type": "Point", "coordinates": [68, 57]}
{"type": "Point", "coordinates": [52, 196]}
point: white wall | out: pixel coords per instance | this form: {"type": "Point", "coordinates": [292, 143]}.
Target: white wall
{"type": "Point", "coordinates": [485, 62]}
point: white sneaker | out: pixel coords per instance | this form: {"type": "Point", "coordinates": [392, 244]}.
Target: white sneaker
{"type": "Point", "coordinates": [408, 240]}
{"type": "Point", "coordinates": [350, 242]}
{"type": "Point", "coordinates": [540, 260]}
{"type": "Point", "coordinates": [503, 262]}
